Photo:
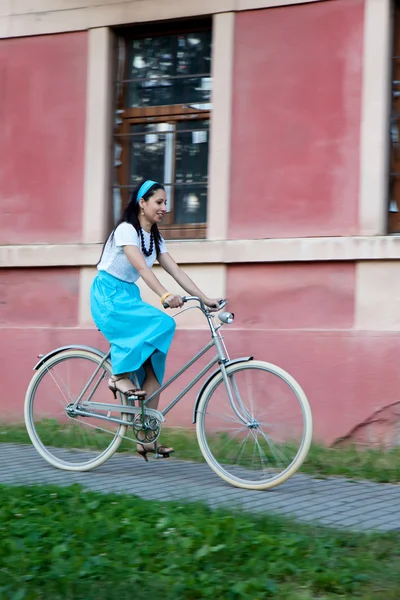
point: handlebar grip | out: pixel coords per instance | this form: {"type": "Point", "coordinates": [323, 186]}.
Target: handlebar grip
{"type": "Point", "coordinates": [166, 305]}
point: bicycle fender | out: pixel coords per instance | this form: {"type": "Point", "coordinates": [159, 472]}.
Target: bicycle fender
{"type": "Point", "coordinates": [45, 358]}
{"type": "Point", "coordinates": [213, 374]}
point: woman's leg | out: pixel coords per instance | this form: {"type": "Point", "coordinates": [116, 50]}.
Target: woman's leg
{"type": "Point", "coordinates": [150, 384]}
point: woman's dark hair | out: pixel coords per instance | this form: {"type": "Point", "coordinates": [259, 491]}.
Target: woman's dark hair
{"type": "Point", "coordinates": [131, 215]}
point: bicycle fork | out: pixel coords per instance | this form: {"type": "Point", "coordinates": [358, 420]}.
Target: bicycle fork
{"type": "Point", "coordinates": [234, 396]}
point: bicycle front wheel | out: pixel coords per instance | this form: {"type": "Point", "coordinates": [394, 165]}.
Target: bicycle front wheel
{"type": "Point", "coordinates": [260, 437]}
{"type": "Point", "coordinates": [66, 440]}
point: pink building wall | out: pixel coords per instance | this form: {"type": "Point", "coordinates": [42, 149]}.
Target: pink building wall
{"type": "Point", "coordinates": [39, 297]}
{"type": "Point", "coordinates": [296, 120]}
{"type": "Point", "coordinates": [43, 115]}
{"type": "Point", "coordinates": [292, 296]}
{"type": "Point", "coordinates": [301, 317]}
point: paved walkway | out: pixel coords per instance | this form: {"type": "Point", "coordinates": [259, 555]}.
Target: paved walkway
{"type": "Point", "coordinates": [335, 502]}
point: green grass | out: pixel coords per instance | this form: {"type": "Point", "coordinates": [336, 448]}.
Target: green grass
{"type": "Point", "coordinates": [374, 464]}
{"type": "Point", "coordinates": [69, 544]}
{"type": "Point", "coordinates": [368, 463]}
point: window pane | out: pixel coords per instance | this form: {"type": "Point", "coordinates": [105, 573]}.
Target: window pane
{"type": "Point", "coordinates": [175, 154]}
{"type": "Point", "coordinates": [192, 151]}
{"type": "Point", "coordinates": [151, 149]}
{"type": "Point", "coordinates": [190, 203]}
{"type": "Point", "coordinates": [160, 91]}
{"type": "Point", "coordinates": [170, 69]}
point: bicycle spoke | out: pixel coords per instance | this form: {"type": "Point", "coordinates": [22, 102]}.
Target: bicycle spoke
{"type": "Point", "coordinates": [67, 400]}
{"type": "Point", "coordinates": [280, 452]}
{"type": "Point", "coordinates": [242, 448]}
{"type": "Point", "coordinates": [233, 419]}
{"type": "Point", "coordinates": [275, 451]}
{"type": "Point", "coordinates": [232, 438]}
{"type": "Point", "coordinates": [260, 450]}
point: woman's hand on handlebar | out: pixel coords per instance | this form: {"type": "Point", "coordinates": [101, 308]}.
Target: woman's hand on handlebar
{"type": "Point", "coordinates": [213, 303]}
{"type": "Point", "coordinates": [174, 301]}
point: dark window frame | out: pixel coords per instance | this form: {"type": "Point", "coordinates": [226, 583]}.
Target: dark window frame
{"type": "Point", "coordinates": [394, 182]}
{"type": "Point", "coordinates": [153, 114]}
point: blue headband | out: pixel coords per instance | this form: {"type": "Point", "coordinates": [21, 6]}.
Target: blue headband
{"type": "Point", "coordinates": [144, 189]}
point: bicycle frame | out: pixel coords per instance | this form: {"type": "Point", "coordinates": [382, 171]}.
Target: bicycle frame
{"type": "Point", "coordinates": [221, 357]}
{"type": "Point", "coordinates": [191, 384]}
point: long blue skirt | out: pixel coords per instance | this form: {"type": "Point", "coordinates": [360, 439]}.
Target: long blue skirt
{"type": "Point", "coordinates": [135, 330]}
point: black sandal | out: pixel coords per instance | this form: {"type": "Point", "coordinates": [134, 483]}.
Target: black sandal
{"type": "Point", "coordinates": [161, 450]}
{"type": "Point", "coordinates": [128, 393]}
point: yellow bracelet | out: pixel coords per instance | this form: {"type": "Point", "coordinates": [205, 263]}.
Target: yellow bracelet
{"type": "Point", "coordinates": [164, 297]}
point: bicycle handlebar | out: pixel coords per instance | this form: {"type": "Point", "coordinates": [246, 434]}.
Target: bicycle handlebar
{"type": "Point", "coordinates": [199, 300]}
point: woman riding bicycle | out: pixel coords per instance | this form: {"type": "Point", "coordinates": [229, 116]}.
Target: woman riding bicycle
{"type": "Point", "coordinates": [139, 334]}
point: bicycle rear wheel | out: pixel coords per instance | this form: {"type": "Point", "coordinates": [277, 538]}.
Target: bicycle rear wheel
{"type": "Point", "coordinates": [73, 443]}
{"type": "Point", "coordinates": [260, 440]}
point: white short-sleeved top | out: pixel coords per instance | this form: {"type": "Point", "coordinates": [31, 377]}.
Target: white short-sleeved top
{"type": "Point", "coordinates": [114, 260]}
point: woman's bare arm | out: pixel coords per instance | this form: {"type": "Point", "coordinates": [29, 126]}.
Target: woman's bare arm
{"type": "Point", "coordinates": [183, 279]}
{"type": "Point", "coordinates": [137, 261]}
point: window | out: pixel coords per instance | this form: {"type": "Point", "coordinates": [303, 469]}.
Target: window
{"type": "Point", "coordinates": [163, 107]}
{"type": "Point", "coordinates": [394, 188]}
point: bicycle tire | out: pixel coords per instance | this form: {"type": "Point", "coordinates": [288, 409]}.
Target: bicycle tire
{"type": "Point", "coordinates": [47, 452]}
{"type": "Point", "coordinates": [224, 470]}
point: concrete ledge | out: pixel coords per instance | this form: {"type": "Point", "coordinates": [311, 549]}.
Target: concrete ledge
{"type": "Point", "coordinates": [217, 252]}
{"type": "Point", "coordinates": [56, 16]}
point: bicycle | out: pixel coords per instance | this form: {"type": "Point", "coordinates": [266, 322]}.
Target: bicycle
{"type": "Point", "coordinates": [246, 449]}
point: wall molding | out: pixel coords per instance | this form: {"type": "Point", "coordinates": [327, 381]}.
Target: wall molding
{"type": "Point", "coordinates": [217, 252]}
{"type": "Point", "coordinates": [375, 117]}
{"type": "Point", "coordinates": [52, 16]}
{"type": "Point", "coordinates": [221, 125]}
{"type": "Point", "coordinates": [98, 135]}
